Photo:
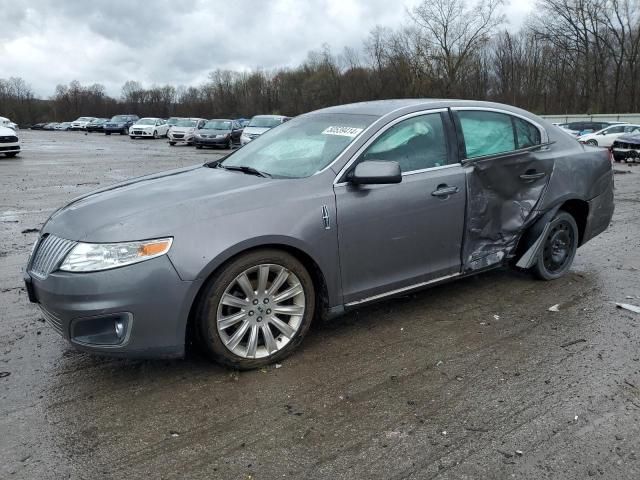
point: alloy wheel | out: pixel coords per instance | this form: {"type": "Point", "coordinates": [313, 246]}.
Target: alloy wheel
{"type": "Point", "coordinates": [260, 311]}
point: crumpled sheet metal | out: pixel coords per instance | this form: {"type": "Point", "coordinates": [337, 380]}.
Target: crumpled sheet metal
{"type": "Point", "coordinates": [499, 209]}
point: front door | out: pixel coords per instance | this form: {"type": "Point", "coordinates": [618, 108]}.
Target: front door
{"type": "Point", "coordinates": [394, 236]}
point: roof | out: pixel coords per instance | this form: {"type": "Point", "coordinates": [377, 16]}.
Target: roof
{"type": "Point", "coordinates": [380, 108]}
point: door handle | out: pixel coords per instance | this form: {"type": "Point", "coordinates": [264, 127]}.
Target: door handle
{"type": "Point", "coordinates": [531, 176]}
{"type": "Point", "coordinates": [444, 191]}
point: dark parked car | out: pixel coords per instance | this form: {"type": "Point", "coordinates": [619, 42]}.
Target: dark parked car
{"type": "Point", "coordinates": [38, 126]}
{"type": "Point", "coordinates": [97, 125]}
{"type": "Point", "coordinates": [327, 212]}
{"type": "Point", "coordinates": [218, 133]}
{"type": "Point", "coordinates": [119, 124]}
{"type": "Point", "coordinates": [627, 148]}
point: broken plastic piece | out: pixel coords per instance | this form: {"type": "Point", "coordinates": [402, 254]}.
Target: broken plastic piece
{"type": "Point", "coordinates": [554, 308]}
{"type": "Point", "coordinates": [628, 306]}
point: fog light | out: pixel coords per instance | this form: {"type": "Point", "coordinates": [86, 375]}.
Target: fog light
{"type": "Point", "coordinates": [119, 328]}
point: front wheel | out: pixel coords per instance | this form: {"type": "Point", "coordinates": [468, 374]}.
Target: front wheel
{"type": "Point", "coordinates": [11, 154]}
{"type": "Point", "coordinates": [172, 144]}
{"type": "Point", "coordinates": [155, 134]}
{"type": "Point", "coordinates": [593, 143]}
{"type": "Point", "coordinates": [558, 249]}
{"type": "Point", "coordinates": [107, 133]}
{"type": "Point", "coordinates": [256, 310]}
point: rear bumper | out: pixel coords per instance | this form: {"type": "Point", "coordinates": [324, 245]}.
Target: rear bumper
{"type": "Point", "coordinates": [600, 213]}
{"type": "Point", "coordinates": [150, 296]}
{"type": "Point", "coordinates": [624, 153]}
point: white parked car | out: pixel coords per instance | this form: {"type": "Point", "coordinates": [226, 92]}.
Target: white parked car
{"type": "Point", "coordinates": [5, 122]}
{"type": "Point", "coordinates": [184, 131]}
{"type": "Point", "coordinates": [9, 142]}
{"type": "Point", "coordinates": [149, 127]}
{"type": "Point", "coordinates": [260, 124]}
{"type": "Point", "coordinates": [81, 123]}
{"type": "Point", "coordinates": [606, 136]}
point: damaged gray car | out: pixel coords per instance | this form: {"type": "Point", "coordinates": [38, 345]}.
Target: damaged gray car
{"type": "Point", "coordinates": [327, 212]}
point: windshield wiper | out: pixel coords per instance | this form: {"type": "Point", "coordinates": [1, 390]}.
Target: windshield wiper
{"type": "Point", "coordinates": [244, 169]}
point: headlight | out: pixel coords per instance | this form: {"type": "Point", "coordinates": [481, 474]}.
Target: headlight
{"type": "Point", "coordinates": [92, 257]}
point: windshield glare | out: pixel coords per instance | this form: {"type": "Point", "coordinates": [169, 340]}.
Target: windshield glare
{"type": "Point", "coordinates": [146, 121]}
{"type": "Point", "coordinates": [186, 123]}
{"type": "Point", "coordinates": [302, 146]}
{"type": "Point", "coordinates": [264, 122]}
{"type": "Point", "coordinates": [119, 118]}
{"type": "Point", "coordinates": [217, 125]}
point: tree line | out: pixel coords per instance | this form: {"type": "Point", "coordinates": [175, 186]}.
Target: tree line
{"type": "Point", "coordinates": [570, 56]}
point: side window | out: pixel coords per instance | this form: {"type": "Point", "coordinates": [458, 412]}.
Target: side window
{"type": "Point", "coordinates": [486, 133]}
{"type": "Point", "coordinates": [527, 134]}
{"type": "Point", "coordinates": [616, 129]}
{"type": "Point", "coordinates": [415, 143]}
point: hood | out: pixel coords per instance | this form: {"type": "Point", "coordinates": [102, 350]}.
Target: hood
{"type": "Point", "coordinates": [255, 130]}
{"type": "Point", "coordinates": [135, 125]}
{"type": "Point", "coordinates": [182, 129]}
{"type": "Point", "coordinates": [157, 205]}
{"type": "Point", "coordinates": [7, 132]}
{"type": "Point", "coordinates": [629, 138]}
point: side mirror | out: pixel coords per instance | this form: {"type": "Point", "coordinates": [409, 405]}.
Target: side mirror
{"type": "Point", "coordinates": [376, 172]}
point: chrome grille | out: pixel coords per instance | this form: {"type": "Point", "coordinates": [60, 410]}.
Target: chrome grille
{"type": "Point", "coordinates": [48, 254]}
{"type": "Point", "coordinates": [52, 320]}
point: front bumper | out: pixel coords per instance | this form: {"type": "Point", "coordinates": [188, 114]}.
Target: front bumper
{"type": "Point", "coordinates": [211, 142]}
{"type": "Point", "coordinates": [9, 148]}
{"type": "Point", "coordinates": [114, 129]}
{"type": "Point", "coordinates": [140, 133]}
{"type": "Point", "coordinates": [149, 296]}
{"type": "Point", "coordinates": [181, 137]}
{"type": "Point", "coordinates": [625, 153]}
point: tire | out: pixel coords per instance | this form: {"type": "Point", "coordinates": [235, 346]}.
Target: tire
{"type": "Point", "coordinates": [559, 247]}
{"type": "Point", "coordinates": [199, 147]}
{"type": "Point", "coordinates": [593, 143]}
{"type": "Point", "coordinates": [275, 335]}
{"type": "Point", "coordinates": [229, 144]}
{"type": "Point", "coordinates": [155, 134]}
{"type": "Point", "coordinates": [107, 133]}
{"type": "Point", "coordinates": [172, 144]}
{"type": "Point", "coordinates": [11, 154]}
{"type": "Point", "coordinates": [124, 131]}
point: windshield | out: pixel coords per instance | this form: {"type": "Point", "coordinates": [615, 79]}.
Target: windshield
{"type": "Point", "coordinates": [265, 122]}
{"type": "Point", "coordinates": [301, 147]}
{"type": "Point", "coordinates": [84, 119]}
{"type": "Point", "coordinates": [146, 121]}
{"type": "Point", "coordinates": [120, 118]}
{"type": "Point", "coordinates": [186, 123]}
{"type": "Point", "coordinates": [217, 125]}
{"type": "Point", "coordinates": [173, 120]}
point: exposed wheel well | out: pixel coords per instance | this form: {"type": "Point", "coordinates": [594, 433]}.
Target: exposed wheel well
{"type": "Point", "coordinates": [312, 267]}
{"type": "Point", "coordinates": [579, 210]}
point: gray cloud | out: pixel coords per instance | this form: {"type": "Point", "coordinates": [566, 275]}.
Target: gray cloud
{"type": "Point", "coordinates": [175, 41]}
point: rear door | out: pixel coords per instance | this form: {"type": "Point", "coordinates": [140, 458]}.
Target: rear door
{"type": "Point", "coordinates": [508, 166]}
{"type": "Point", "coordinates": [396, 236]}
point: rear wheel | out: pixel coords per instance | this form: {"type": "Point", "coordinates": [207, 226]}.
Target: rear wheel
{"type": "Point", "coordinates": [107, 133]}
{"type": "Point", "coordinates": [558, 248]}
{"type": "Point", "coordinates": [256, 310]}
{"type": "Point", "coordinates": [199, 147]}
{"type": "Point", "coordinates": [593, 143]}
{"type": "Point", "coordinates": [172, 143]}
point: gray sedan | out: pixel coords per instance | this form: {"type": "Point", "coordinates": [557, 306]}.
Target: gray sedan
{"type": "Point", "coordinates": [329, 211]}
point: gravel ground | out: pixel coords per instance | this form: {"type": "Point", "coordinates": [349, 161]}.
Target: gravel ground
{"type": "Point", "coordinates": [474, 379]}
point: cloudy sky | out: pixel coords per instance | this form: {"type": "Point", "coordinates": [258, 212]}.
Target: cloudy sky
{"type": "Point", "coordinates": [180, 41]}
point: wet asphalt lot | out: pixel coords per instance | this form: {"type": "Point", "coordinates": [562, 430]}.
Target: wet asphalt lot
{"type": "Point", "coordinates": [475, 379]}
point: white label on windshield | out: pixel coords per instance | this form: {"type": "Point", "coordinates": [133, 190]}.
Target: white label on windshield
{"type": "Point", "coordinates": [343, 131]}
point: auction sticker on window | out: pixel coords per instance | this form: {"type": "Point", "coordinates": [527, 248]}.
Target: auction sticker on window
{"type": "Point", "coordinates": [342, 131]}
